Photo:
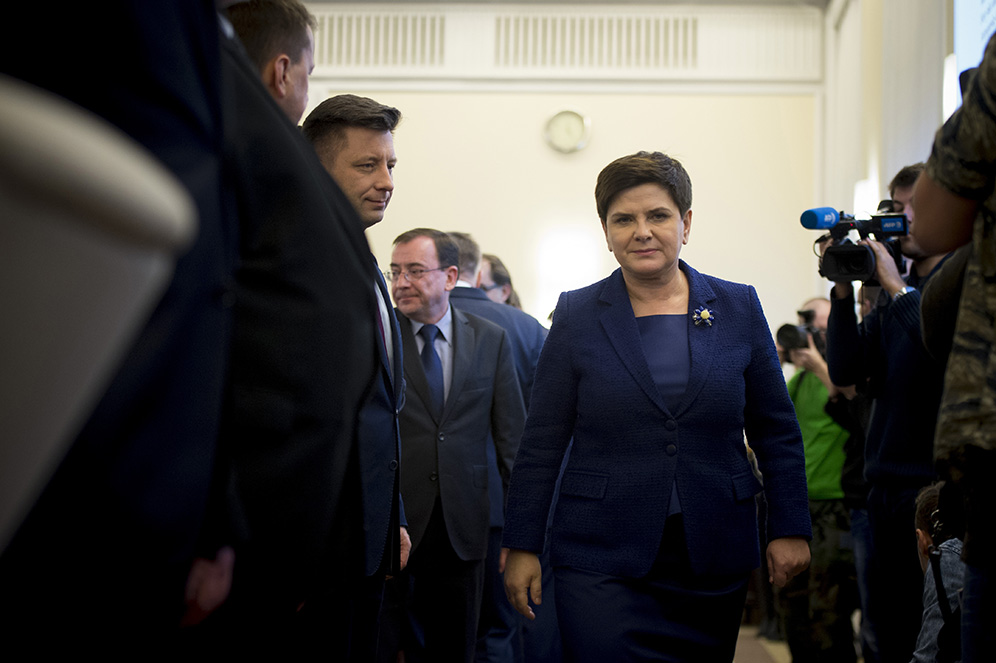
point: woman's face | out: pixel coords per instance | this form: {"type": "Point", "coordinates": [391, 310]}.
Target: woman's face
{"type": "Point", "coordinates": [645, 231]}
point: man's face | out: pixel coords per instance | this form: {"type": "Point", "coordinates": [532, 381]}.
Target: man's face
{"type": "Point", "coordinates": [821, 313]}
{"type": "Point", "coordinates": [297, 81]}
{"type": "Point", "coordinates": [364, 170]}
{"type": "Point", "coordinates": [902, 202]}
{"type": "Point", "coordinates": [426, 298]}
{"type": "Point", "coordinates": [495, 293]}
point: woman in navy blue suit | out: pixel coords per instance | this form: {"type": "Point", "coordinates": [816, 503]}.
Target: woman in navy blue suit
{"type": "Point", "coordinates": [656, 373]}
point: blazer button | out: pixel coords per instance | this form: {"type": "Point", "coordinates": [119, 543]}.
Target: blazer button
{"type": "Point", "coordinates": [671, 449]}
{"type": "Point", "coordinates": [393, 464]}
{"type": "Point", "coordinates": [433, 476]}
{"type": "Point", "coordinates": [441, 437]}
{"type": "Point", "coordinates": [670, 424]}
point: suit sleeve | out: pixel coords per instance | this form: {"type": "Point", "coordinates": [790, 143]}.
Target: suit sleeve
{"type": "Point", "coordinates": [773, 433]}
{"type": "Point", "coordinates": [548, 432]}
{"type": "Point", "coordinates": [849, 343]}
{"type": "Point", "coordinates": [508, 413]}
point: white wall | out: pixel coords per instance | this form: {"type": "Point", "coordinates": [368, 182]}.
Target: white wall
{"type": "Point", "coordinates": [760, 148]}
{"type": "Point", "coordinates": [477, 162]}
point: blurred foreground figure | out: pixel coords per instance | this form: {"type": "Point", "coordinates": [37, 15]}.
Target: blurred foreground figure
{"type": "Point", "coordinates": [956, 204]}
{"type": "Point", "coordinates": [107, 549]}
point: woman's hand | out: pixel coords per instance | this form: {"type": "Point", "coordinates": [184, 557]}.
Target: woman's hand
{"type": "Point", "coordinates": [787, 557]}
{"type": "Point", "coordinates": [523, 579]}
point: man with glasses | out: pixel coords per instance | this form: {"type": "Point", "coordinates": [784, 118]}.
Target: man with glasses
{"type": "Point", "coordinates": [462, 394]}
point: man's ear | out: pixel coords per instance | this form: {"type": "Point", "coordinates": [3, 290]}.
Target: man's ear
{"type": "Point", "coordinates": [477, 279]}
{"type": "Point", "coordinates": [276, 75]}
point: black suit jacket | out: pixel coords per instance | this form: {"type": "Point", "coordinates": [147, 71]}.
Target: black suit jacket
{"type": "Point", "coordinates": [380, 452]}
{"type": "Point", "coordinates": [447, 458]}
{"type": "Point", "coordinates": [303, 357]}
{"type": "Point", "coordinates": [526, 336]}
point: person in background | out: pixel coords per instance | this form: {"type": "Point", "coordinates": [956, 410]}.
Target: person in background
{"type": "Point", "coordinates": [462, 395]}
{"type": "Point", "coordinates": [656, 373]}
{"type": "Point", "coordinates": [816, 606]}
{"type": "Point", "coordinates": [497, 282]}
{"type": "Point", "coordinates": [939, 546]}
{"type": "Point", "coordinates": [501, 636]}
{"type": "Point", "coordinates": [885, 352]}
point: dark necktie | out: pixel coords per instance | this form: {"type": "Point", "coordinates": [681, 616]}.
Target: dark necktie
{"type": "Point", "coordinates": [433, 368]}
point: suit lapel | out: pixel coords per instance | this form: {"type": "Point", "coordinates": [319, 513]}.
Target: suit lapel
{"type": "Point", "coordinates": [463, 342]}
{"type": "Point", "coordinates": [620, 326]}
{"type": "Point", "coordinates": [702, 339]}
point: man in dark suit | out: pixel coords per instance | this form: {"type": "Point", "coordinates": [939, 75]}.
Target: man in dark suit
{"type": "Point", "coordinates": [461, 389]}
{"type": "Point", "coordinates": [303, 357]}
{"type": "Point", "coordinates": [353, 137]}
{"type": "Point", "coordinates": [502, 637]}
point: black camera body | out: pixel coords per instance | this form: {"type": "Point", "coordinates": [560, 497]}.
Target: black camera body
{"type": "Point", "coordinates": [846, 261]}
{"type": "Point", "coordinates": [796, 337]}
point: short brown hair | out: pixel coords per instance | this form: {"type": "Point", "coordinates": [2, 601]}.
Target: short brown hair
{"type": "Point", "coordinates": [906, 177]}
{"type": "Point", "coordinates": [470, 253]}
{"type": "Point", "coordinates": [643, 168]}
{"type": "Point", "coordinates": [328, 121]}
{"type": "Point", "coordinates": [447, 251]}
{"type": "Point", "coordinates": [268, 28]}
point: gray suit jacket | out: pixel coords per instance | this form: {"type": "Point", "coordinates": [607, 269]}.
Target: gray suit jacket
{"type": "Point", "coordinates": [448, 458]}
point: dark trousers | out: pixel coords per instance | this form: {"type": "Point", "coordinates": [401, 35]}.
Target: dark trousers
{"type": "Point", "coordinates": [895, 581]}
{"type": "Point", "coordinates": [345, 623]}
{"type": "Point", "coordinates": [499, 632]}
{"type": "Point", "coordinates": [669, 615]}
{"type": "Point", "coordinates": [443, 601]}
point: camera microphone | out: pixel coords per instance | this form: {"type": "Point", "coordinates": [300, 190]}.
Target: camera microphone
{"type": "Point", "coordinates": [819, 218]}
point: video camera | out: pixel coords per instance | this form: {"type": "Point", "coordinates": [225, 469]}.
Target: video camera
{"type": "Point", "coordinates": [846, 261]}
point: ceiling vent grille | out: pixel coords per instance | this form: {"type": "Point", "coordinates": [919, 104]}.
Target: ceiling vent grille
{"type": "Point", "coordinates": [380, 40]}
{"type": "Point", "coordinates": [596, 42]}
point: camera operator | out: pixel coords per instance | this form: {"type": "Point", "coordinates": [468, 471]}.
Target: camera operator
{"type": "Point", "coordinates": [817, 604]}
{"type": "Point", "coordinates": [905, 384]}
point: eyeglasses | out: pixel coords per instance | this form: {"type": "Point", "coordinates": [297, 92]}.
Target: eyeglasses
{"type": "Point", "coordinates": [413, 274]}
{"type": "Point", "coordinates": [489, 288]}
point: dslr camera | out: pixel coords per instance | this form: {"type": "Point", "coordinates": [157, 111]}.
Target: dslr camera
{"type": "Point", "coordinates": [795, 337]}
{"type": "Point", "coordinates": [847, 261]}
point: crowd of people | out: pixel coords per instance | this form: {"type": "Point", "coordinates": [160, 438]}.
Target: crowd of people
{"type": "Point", "coordinates": [303, 452]}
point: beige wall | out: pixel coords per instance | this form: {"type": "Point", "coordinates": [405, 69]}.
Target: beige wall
{"type": "Point", "coordinates": [477, 162]}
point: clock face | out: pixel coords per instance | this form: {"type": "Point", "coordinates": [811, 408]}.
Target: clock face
{"type": "Point", "coordinates": [567, 131]}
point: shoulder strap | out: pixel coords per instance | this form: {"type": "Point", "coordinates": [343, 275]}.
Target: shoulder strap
{"type": "Point", "coordinates": [942, 595]}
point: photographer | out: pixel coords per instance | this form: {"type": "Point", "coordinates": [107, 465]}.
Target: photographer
{"type": "Point", "coordinates": [905, 384]}
{"type": "Point", "coordinates": [817, 604]}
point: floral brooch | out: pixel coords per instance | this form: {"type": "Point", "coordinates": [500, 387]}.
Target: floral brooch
{"type": "Point", "coordinates": [703, 316]}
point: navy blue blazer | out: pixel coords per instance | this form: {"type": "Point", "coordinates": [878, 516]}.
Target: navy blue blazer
{"type": "Point", "coordinates": [593, 385]}
{"type": "Point", "coordinates": [526, 336]}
